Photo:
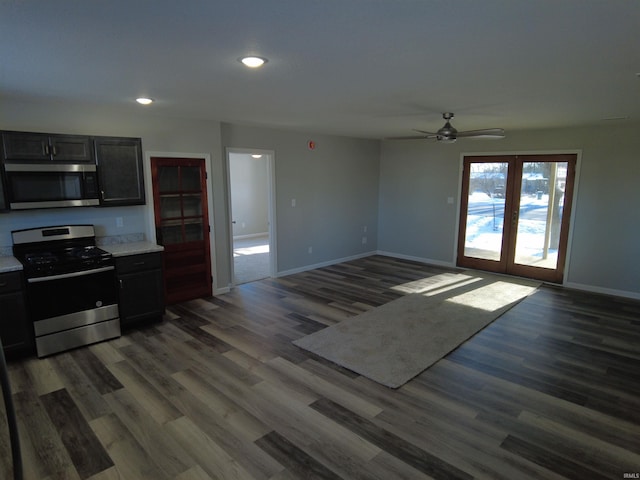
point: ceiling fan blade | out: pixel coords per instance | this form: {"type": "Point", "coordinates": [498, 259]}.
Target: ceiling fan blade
{"type": "Point", "coordinates": [411, 137]}
{"type": "Point", "coordinates": [425, 135]}
{"type": "Point", "coordinates": [425, 132]}
{"type": "Point", "coordinates": [484, 133]}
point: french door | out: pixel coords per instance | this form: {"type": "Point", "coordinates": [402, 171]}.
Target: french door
{"type": "Point", "coordinates": [514, 215]}
{"type": "Point", "coordinates": [182, 226]}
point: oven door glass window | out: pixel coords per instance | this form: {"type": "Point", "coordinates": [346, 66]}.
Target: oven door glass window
{"type": "Point", "coordinates": [57, 297]}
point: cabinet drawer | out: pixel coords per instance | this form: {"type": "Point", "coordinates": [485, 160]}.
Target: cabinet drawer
{"type": "Point", "coordinates": [10, 282]}
{"type": "Point", "coordinates": [136, 263]}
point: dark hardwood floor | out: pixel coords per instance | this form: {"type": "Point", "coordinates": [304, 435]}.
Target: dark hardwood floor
{"type": "Point", "coordinates": [550, 390]}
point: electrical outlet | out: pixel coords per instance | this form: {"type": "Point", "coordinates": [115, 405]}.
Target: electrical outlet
{"type": "Point", "coordinates": [119, 222]}
{"type": "Point", "coordinates": [364, 240]}
{"type": "Point", "coordinates": [364, 229]}
{"type": "Point", "coordinates": [293, 202]}
{"type": "Point", "coordinates": [310, 250]}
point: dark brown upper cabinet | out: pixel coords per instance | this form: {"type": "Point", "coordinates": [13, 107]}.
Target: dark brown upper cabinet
{"type": "Point", "coordinates": [43, 147]}
{"type": "Point", "coordinates": [120, 170]}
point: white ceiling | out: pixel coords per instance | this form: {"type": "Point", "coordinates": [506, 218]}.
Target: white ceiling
{"type": "Point", "coordinates": [365, 68]}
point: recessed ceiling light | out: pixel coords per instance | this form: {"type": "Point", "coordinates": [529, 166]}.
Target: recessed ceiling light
{"type": "Point", "coordinates": [253, 62]}
{"type": "Point", "coordinates": [144, 100]}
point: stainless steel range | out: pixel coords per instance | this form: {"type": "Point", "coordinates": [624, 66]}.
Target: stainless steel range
{"type": "Point", "coordinates": [71, 287]}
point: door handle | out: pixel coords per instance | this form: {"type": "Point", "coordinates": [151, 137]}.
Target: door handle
{"type": "Point", "coordinates": [514, 218]}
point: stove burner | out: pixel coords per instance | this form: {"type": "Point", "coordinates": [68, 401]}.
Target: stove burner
{"type": "Point", "coordinates": [41, 258]}
{"type": "Point", "coordinates": [86, 253]}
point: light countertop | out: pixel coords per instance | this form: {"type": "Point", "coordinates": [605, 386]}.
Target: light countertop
{"type": "Point", "coordinates": [9, 264]}
{"type": "Point", "coordinates": [132, 248]}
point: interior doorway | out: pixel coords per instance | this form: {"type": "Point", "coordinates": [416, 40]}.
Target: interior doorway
{"type": "Point", "coordinates": [514, 215]}
{"type": "Point", "coordinates": [251, 210]}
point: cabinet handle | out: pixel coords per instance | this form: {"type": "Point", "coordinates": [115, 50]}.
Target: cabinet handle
{"type": "Point", "coordinates": [55, 151]}
{"type": "Point", "coordinates": [45, 149]}
{"type": "Point", "coordinates": [139, 264]}
{"type": "Point", "coordinates": [121, 284]}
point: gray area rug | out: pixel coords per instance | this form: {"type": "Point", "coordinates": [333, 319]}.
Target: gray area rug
{"type": "Point", "coordinates": [393, 343]}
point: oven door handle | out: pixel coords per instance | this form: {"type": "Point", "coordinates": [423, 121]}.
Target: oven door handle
{"type": "Point", "coordinates": [70, 275]}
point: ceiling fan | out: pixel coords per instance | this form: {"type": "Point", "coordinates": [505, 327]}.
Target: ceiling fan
{"type": "Point", "coordinates": [449, 134]}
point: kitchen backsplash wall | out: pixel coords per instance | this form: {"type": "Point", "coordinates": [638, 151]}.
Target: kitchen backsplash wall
{"type": "Point", "coordinates": [115, 225]}
{"type": "Point", "coordinates": [118, 239]}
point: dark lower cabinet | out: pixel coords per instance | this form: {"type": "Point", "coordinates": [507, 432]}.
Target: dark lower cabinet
{"type": "Point", "coordinates": [15, 329]}
{"type": "Point", "coordinates": [141, 295]}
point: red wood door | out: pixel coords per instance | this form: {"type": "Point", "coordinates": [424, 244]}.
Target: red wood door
{"type": "Point", "coordinates": [182, 226]}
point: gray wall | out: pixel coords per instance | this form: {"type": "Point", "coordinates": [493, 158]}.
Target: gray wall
{"type": "Point", "coordinates": [418, 176]}
{"type": "Point", "coordinates": [335, 187]}
{"type": "Point", "coordinates": [249, 180]}
{"type": "Point", "coordinates": [399, 191]}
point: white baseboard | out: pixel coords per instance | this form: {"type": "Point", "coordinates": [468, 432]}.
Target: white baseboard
{"type": "Point", "coordinates": [428, 261]}
{"type": "Point", "coordinates": [605, 291]}
{"type": "Point", "coordinates": [575, 286]}
{"type": "Point", "coordinates": [221, 291]}
{"type": "Point", "coordinates": [323, 264]}
{"type": "Point", "coordinates": [439, 263]}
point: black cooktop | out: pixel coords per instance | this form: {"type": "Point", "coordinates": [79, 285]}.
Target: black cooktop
{"type": "Point", "coordinates": [58, 250]}
{"type": "Point", "coordinates": [66, 260]}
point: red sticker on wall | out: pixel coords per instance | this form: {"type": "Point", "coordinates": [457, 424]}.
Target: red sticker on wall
{"type": "Point", "coordinates": [312, 145]}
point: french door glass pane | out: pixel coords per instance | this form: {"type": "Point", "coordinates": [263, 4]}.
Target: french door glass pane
{"type": "Point", "coordinates": [168, 179]}
{"type": "Point", "coordinates": [485, 210]}
{"type": "Point", "coordinates": [171, 233]}
{"type": "Point", "coordinates": [540, 213]}
{"type": "Point", "coordinates": [193, 231]}
{"type": "Point", "coordinates": [170, 207]}
{"type": "Point", "coordinates": [191, 178]}
{"type": "Point", "coordinates": [192, 205]}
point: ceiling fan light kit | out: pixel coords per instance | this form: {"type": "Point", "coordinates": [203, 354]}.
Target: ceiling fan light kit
{"type": "Point", "coordinates": [448, 134]}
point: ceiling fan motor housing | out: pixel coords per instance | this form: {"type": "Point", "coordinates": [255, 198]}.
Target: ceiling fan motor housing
{"type": "Point", "coordinates": [447, 133]}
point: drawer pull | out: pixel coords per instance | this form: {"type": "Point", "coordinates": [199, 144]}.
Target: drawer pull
{"type": "Point", "coordinates": [139, 264]}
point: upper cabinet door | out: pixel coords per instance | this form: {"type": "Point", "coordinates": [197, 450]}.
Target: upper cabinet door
{"type": "Point", "coordinates": [120, 170]}
{"type": "Point", "coordinates": [71, 148]}
{"type": "Point", "coordinates": [38, 147]}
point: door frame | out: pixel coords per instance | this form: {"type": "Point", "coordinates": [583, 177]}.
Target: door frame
{"type": "Point", "coordinates": [150, 234]}
{"type": "Point", "coordinates": [576, 183]}
{"type": "Point", "coordinates": [271, 207]}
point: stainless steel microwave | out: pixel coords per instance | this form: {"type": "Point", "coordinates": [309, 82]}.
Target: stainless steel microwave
{"type": "Point", "coordinates": [39, 185]}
